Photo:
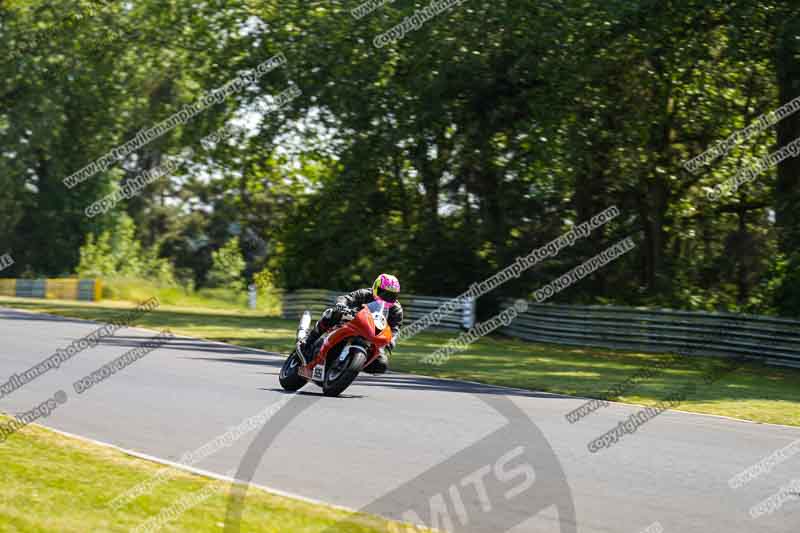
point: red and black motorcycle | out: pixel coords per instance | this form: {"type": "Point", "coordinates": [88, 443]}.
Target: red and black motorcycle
{"type": "Point", "coordinates": [340, 354]}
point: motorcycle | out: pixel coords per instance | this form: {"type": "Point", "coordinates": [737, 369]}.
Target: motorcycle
{"type": "Point", "coordinates": [341, 353]}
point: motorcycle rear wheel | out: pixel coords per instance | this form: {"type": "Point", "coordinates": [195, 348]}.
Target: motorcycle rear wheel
{"type": "Point", "coordinates": [289, 378]}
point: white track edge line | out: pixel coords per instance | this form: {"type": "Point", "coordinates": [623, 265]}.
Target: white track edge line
{"type": "Point", "coordinates": [214, 475]}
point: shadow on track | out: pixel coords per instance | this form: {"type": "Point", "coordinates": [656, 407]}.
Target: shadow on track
{"type": "Point", "coordinates": [401, 381]}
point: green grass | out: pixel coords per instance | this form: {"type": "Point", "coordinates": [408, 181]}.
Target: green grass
{"type": "Point", "coordinates": [132, 290]}
{"type": "Point", "coordinates": [55, 483]}
{"type": "Point", "coordinates": [754, 392]}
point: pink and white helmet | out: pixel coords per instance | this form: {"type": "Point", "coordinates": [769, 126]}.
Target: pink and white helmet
{"type": "Point", "coordinates": [386, 289]}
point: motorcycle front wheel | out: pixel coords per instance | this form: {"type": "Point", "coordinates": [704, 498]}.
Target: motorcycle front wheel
{"type": "Point", "coordinates": [340, 374]}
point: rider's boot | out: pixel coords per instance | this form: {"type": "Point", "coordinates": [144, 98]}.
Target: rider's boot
{"type": "Point", "coordinates": [378, 366]}
{"type": "Point", "coordinates": [305, 347]}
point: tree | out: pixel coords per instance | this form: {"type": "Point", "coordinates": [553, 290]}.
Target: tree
{"type": "Point", "coordinates": [228, 266]}
{"type": "Point", "coordinates": [117, 254]}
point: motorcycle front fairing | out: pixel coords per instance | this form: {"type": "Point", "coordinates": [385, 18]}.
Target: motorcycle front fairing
{"type": "Point", "coordinates": [368, 331]}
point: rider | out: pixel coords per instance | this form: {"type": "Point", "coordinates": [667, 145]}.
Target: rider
{"type": "Point", "coordinates": [385, 289]}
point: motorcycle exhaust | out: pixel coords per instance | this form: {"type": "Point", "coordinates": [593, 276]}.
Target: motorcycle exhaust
{"type": "Point", "coordinates": [302, 333]}
{"type": "Point", "coordinates": [305, 324]}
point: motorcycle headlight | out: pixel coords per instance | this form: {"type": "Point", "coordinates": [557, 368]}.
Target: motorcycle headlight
{"type": "Point", "coordinates": [380, 322]}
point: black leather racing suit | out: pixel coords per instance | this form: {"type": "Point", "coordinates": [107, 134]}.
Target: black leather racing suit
{"type": "Point", "coordinates": [353, 301]}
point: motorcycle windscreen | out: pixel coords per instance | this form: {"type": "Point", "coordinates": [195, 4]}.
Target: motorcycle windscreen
{"type": "Point", "coordinates": [379, 312]}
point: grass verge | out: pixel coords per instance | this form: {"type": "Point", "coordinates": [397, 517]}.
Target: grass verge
{"type": "Point", "coordinates": [131, 290]}
{"type": "Point", "coordinates": [754, 392]}
{"type": "Point", "coordinates": [54, 483]}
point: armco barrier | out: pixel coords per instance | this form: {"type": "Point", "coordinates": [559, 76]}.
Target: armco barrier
{"type": "Point", "coordinates": [775, 341]}
{"type": "Point", "coordinates": [414, 307]}
{"type": "Point", "coordinates": [31, 288]}
{"type": "Point", "coordinates": [61, 289]}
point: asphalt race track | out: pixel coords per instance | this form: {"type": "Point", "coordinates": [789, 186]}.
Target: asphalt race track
{"type": "Point", "coordinates": [398, 442]}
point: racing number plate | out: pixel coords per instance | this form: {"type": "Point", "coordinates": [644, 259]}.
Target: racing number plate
{"type": "Point", "coordinates": [319, 373]}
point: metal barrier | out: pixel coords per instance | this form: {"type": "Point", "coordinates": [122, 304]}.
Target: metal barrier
{"type": "Point", "coordinates": [61, 289]}
{"type": "Point", "coordinates": [414, 307]}
{"type": "Point", "coordinates": [775, 341]}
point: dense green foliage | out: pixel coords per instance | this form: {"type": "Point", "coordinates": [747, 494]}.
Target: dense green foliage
{"type": "Point", "coordinates": [228, 266]}
{"type": "Point", "coordinates": [117, 254]}
{"type": "Point", "coordinates": [441, 157]}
